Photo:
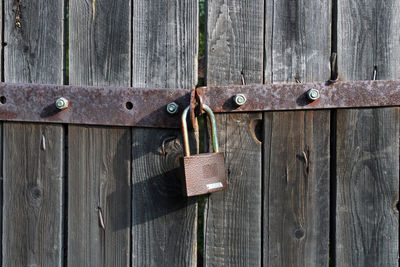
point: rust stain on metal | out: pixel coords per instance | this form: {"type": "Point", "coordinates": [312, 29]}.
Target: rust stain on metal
{"type": "Point", "coordinates": [124, 106]}
{"type": "Point", "coordinates": [193, 118]}
{"type": "Point", "coordinates": [270, 97]}
{"type": "Point", "coordinates": [91, 105]}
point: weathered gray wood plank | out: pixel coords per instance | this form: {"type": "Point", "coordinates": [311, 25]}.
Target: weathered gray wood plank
{"type": "Point", "coordinates": [296, 171]}
{"type": "Point", "coordinates": [33, 153]}
{"type": "Point", "coordinates": [296, 144]}
{"type": "Point", "coordinates": [1, 134]}
{"type": "Point", "coordinates": [99, 157]}
{"type": "Point", "coordinates": [33, 51]}
{"type": "Point", "coordinates": [32, 195]}
{"type": "Point", "coordinates": [232, 219]}
{"type": "Point", "coordinates": [164, 221]}
{"type": "Point", "coordinates": [164, 43]}
{"type": "Point", "coordinates": [1, 41]}
{"type": "Point", "coordinates": [164, 55]}
{"type": "Point", "coordinates": [367, 187]}
{"type": "Point", "coordinates": [99, 176]}
{"type": "Point", "coordinates": [367, 152]}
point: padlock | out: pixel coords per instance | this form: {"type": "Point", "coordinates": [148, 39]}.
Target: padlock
{"type": "Point", "coordinates": [203, 173]}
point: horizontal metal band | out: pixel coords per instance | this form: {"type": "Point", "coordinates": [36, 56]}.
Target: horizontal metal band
{"type": "Point", "coordinates": [119, 106]}
{"type": "Point", "coordinates": [124, 106]}
{"type": "Point", "coordinates": [270, 97]}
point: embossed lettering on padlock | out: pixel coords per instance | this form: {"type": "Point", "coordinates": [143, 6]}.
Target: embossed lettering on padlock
{"type": "Point", "coordinates": [204, 173]}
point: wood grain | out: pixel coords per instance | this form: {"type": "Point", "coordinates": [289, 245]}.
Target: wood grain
{"type": "Point", "coordinates": [367, 187]}
{"type": "Point", "coordinates": [99, 177]}
{"type": "Point", "coordinates": [164, 221]}
{"type": "Point", "coordinates": [1, 135]}
{"type": "Point", "coordinates": [33, 194]}
{"type": "Point", "coordinates": [296, 144]}
{"type": "Point", "coordinates": [164, 224]}
{"type": "Point", "coordinates": [33, 51]}
{"type": "Point", "coordinates": [296, 171]}
{"type": "Point", "coordinates": [232, 218]}
{"type": "Point", "coordinates": [164, 43]}
{"type": "Point", "coordinates": [99, 157]}
{"type": "Point", "coordinates": [33, 153]}
{"type": "Point", "coordinates": [367, 152]}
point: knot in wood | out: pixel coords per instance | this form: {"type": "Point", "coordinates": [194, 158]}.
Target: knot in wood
{"type": "Point", "coordinates": [299, 233]}
{"type": "Point", "coordinates": [35, 194]}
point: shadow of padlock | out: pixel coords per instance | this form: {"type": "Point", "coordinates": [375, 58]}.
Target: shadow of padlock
{"type": "Point", "coordinates": [203, 173]}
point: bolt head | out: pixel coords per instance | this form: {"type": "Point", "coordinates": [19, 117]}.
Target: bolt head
{"type": "Point", "coordinates": [313, 94]}
{"type": "Point", "coordinates": [239, 99]}
{"type": "Point", "coordinates": [172, 108]}
{"type": "Point", "coordinates": [62, 103]}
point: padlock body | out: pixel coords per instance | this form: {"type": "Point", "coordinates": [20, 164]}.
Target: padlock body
{"type": "Point", "coordinates": [204, 173]}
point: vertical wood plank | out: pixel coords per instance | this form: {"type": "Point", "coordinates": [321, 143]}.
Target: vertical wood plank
{"type": "Point", "coordinates": [367, 153]}
{"type": "Point", "coordinates": [232, 218]}
{"type": "Point", "coordinates": [99, 157]}
{"type": "Point", "coordinates": [296, 144]}
{"type": "Point", "coordinates": [296, 171]}
{"type": "Point", "coordinates": [32, 209]}
{"type": "Point", "coordinates": [1, 40]}
{"type": "Point", "coordinates": [99, 176]}
{"type": "Point", "coordinates": [164, 55]}
{"type": "Point", "coordinates": [367, 187]}
{"type": "Point", "coordinates": [33, 153]}
{"type": "Point", "coordinates": [1, 132]}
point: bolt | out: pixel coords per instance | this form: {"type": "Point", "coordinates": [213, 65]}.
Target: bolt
{"type": "Point", "coordinates": [62, 103]}
{"type": "Point", "coordinates": [172, 108]}
{"type": "Point", "coordinates": [239, 99]}
{"type": "Point", "coordinates": [313, 94]}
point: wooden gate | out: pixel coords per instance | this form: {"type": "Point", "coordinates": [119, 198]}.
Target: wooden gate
{"type": "Point", "coordinates": [306, 188]}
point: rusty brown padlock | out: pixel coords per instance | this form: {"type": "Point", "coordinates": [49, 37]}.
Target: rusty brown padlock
{"type": "Point", "coordinates": [204, 173]}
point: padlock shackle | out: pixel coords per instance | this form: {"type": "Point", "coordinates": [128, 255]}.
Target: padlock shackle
{"type": "Point", "coordinates": [185, 132]}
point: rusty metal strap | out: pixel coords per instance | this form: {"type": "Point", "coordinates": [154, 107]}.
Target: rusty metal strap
{"type": "Point", "coordinates": [270, 97]}
{"type": "Point", "coordinates": [119, 106]}
{"type": "Point", "coordinates": [122, 106]}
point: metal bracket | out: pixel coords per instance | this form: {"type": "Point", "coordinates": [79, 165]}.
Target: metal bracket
{"type": "Point", "coordinates": [122, 106]}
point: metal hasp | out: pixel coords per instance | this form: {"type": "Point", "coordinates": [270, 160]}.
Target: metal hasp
{"type": "Point", "coordinates": [294, 96]}
{"type": "Point", "coordinates": [125, 106]}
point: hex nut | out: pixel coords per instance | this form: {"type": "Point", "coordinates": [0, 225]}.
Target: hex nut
{"type": "Point", "coordinates": [239, 99]}
{"type": "Point", "coordinates": [313, 94]}
{"type": "Point", "coordinates": [62, 103]}
{"type": "Point", "coordinates": [172, 108]}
